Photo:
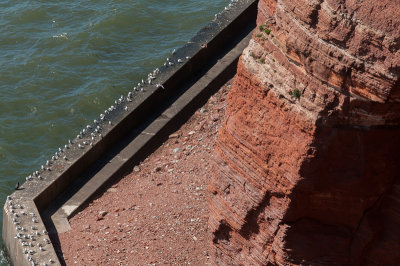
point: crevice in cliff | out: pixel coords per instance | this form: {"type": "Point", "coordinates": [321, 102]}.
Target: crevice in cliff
{"type": "Point", "coordinates": [366, 212]}
{"type": "Point", "coordinates": [223, 233]}
{"type": "Point", "coordinates": [315, 15]}
{"type": "Point", "coordinates": [323, 116]}
{"type": "Point", "coordinates": [253, 217]}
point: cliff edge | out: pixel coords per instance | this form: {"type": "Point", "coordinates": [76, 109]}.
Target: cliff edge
{"type": "Point", "coordinates": [307, 169]}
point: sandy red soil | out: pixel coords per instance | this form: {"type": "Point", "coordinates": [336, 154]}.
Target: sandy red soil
{"type": "Point", "coordinates": [158, 214]}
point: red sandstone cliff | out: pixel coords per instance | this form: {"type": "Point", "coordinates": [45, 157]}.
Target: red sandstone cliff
{"type": "Point", "coordinates": [308, 168]}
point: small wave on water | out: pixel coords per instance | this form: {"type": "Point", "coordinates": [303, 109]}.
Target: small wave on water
{"type": "Point", "coordinates": [63, 62]}
{"type": "Point", "coordinates": [62, 35]}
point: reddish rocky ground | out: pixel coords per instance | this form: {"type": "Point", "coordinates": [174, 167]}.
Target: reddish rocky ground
{"type": "Point", "coordinates": [157, 214]}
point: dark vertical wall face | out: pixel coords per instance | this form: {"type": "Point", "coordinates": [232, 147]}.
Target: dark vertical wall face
{"type": "Point", "coordinates": [346, 198]}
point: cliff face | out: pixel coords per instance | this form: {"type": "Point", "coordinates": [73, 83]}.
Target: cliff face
{"type": "Point", "coordinates": [307, 168]}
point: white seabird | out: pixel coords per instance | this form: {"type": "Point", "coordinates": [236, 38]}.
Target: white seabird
{"type": "Point", "coordinates": [158, 85]}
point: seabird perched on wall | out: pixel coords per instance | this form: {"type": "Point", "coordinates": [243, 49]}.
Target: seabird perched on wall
{"type": "Point", "coordinates": [158, 85]}
{"type": "Point", "coordinates": [17, 186]}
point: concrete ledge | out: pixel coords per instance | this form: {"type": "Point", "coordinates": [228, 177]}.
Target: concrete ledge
{"type": "Point", "coordinates": [124, 136]}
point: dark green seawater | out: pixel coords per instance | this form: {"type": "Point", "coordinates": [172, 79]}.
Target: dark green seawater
{"type": "Point", "coordinates": [64, 62]}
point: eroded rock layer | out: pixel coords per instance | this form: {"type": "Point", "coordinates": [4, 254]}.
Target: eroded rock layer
{"type": "Point", "coordinates": [308, 168]}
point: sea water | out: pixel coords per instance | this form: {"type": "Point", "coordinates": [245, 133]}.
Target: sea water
{"type": "Point", "coordinates": [63, 62]}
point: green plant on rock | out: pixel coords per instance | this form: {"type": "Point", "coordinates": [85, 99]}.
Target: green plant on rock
{"type": "Point", "coordinates": [267, 31]}
{"type": "Point", "coordinates": [264, 28]}
{"type": "Point", "coordinates": [262, 60]}
{"type": "Point", "coordinates": [296, 93]}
